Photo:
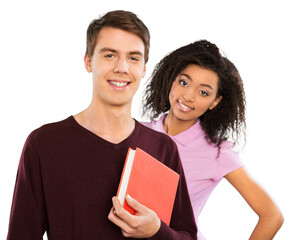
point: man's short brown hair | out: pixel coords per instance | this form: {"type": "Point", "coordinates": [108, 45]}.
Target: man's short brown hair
{"type": "Point", "coordinates": [119, 19]}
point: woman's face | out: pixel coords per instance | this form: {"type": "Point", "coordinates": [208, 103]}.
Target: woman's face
{"type": "Point", "coordinates": [193, 92]}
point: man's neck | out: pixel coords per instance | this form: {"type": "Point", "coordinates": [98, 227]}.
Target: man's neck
{"type": "Point", "coordinates": [113, 123]}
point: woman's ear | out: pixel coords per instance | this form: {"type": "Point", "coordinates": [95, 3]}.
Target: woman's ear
{"type": "Point", "coordinates": [215, 103]}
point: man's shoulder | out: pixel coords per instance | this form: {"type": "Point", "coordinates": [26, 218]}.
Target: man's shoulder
{"type": "Point", "coordinates": [46, 134]}
{"type": "Point", "coordinates": [160, 146]}
{"type": "Point", "coordinates": [52, 128]}
{"type": "Point", "coordinates": [155, 136]}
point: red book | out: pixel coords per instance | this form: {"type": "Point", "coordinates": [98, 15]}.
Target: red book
{"type": "Point", "coordinates": [150, 182]}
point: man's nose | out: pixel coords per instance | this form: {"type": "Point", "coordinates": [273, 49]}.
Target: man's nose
{"type": "Point", "coordinates": [121, 66]}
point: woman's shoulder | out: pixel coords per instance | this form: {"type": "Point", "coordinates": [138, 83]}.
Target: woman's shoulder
{"type": "Point", "coordinates": [148, 124]}
{"type": "Point", "coordinates": [154, 124]}
{"type": "Point", "coordinates": [227, 145]}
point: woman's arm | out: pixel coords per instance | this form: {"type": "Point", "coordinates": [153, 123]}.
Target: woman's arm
{"type": "Point", "coordinates": [270, 217]}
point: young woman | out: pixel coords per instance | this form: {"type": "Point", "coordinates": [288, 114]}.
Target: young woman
{"type": "Point", "coordinates": [200, 95]}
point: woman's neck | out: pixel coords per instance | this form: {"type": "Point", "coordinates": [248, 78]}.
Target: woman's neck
{"type": "Point", "coordinates": [174, 126]}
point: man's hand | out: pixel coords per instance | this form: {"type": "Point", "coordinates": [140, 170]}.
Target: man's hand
{"type": "Point", "coordinates": [145, 223]}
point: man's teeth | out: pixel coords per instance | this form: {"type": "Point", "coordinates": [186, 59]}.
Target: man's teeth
{"type": "Point", "coordinates": [118, 84]}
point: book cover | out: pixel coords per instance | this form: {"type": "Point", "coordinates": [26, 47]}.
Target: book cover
{"type": "Point", "coordinates": [150, 182]}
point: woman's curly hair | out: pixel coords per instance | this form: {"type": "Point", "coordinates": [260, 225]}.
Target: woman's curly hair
{"type": "Point", "coordinates": [227, 119]}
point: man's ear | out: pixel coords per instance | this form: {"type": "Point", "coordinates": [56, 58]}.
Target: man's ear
{"type": "Point", "coordinates": [144, 71]}
{"type": "Point", "coordinates": [87, 62]}
{"type": "Point", "coordinates": [215, 103]}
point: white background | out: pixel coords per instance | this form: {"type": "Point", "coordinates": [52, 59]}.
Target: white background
{"type": "Point", "coordinates": [43, 79]}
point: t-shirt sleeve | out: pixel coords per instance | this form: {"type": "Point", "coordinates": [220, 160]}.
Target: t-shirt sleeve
{"type": "Point", "coordinates": [28, 214]}
{"type": "Point", "coordinates": [182, 224]}
{"type": "Point", "coordinates": [227, 161]}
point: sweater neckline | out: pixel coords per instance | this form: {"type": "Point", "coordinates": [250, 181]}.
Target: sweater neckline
{"type": "Point", "coordinates": [98, 138]}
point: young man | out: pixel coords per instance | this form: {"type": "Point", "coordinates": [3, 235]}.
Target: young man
{"type": "Point", "coordinates": [69, 171]}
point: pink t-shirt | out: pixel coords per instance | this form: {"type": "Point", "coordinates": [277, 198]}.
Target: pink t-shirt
{"type": "Point", "coordinates": [203, 170]}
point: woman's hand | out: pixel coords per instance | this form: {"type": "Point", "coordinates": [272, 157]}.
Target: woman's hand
{"type": "Point", "coordinates": [270, 217]}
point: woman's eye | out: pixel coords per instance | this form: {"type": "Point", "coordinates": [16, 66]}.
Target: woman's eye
{"type": "Point", "coordinates": [204, 93]}
{"type": "Point", "coordinates": [182, 82]}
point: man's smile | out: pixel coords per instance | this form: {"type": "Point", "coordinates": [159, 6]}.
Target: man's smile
{"type": "Point", "coordinates": [118, 84]}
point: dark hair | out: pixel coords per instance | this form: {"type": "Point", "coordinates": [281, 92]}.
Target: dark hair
{"type": "Point", "coordinates": [227, 119]}
{"type": "Point", "coordinates": [119, 19]}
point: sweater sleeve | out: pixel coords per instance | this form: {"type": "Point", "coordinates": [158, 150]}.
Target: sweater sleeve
{"type": "Point", "coordinates": [28, 219]}
{"type": "Point", "coordinates": [182, 225]}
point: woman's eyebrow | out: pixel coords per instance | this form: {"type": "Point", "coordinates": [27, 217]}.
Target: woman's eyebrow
{"type": "Point", "coordinates": [202, 84]}
{"type": "Point", "coordinates": [186, 75]}
{"type": "Point", "coordinates": [207, 85]}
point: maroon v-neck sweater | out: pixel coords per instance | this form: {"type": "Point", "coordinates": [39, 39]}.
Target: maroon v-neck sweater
{"type": "Point", "coordinates": [67, 177]}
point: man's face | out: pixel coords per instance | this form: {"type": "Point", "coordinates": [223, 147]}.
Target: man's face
{"type": "Point", "coordinates": [117, 66]}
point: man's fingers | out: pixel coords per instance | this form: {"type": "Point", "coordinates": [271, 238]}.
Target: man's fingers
{"type": "Point", "coordinates": [142, 225]}
{"type": "Point", "coordinates": [121, 213]}
{"type": "Point", "coordinates": [113, 217]}
{"type": "Point", "coordinates": [118, 209]}
{"type": "Point", "coordinates": [139, 208]}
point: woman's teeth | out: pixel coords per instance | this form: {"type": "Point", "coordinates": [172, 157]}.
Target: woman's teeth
{"type": "Point", "coordinates": [184, 107]}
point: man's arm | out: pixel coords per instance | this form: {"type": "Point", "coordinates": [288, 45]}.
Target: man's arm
{"type": "Point", "coordinates": [145, 224]}
{"type": "Point", "coordinates": [28, 214]}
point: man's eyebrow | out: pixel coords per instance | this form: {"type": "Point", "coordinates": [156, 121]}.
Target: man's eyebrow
{"type": "Point", "coordinates": [116, 51]}
{"type": "Point", "coordinates": [136, 53]}
{"type": "Point", "coordinates": [202, 84]}
{"type": "Point", "coordinates": [107, 50]}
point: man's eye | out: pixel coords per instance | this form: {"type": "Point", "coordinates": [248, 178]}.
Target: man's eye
{"type": "Point", "coordinates": [134, 59]}
{"type": "Point", "coordinates": [109, 55]}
